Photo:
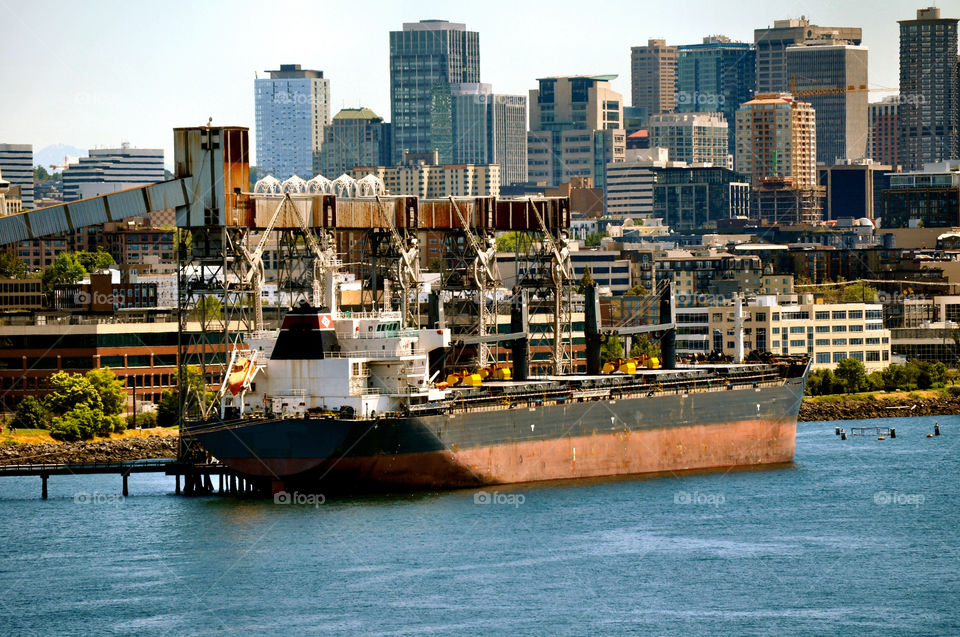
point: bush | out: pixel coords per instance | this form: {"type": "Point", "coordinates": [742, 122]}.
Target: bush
{"type": "Point", "coordinates": [65, 430]}
{"type": "Point", "coordinates": [953, 390]}
{"type": "Point", "coordinates": [30, 414]}
{"type": "Point", "coordinates": [145, 419]}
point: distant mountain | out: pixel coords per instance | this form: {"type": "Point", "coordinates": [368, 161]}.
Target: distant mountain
{"type": "Point", "coordinates": [55, 154]}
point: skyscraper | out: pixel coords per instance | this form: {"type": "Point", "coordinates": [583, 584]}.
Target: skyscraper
{"type": "Point", "coordinates": [653, 76]}
{"type": "Point", "coordinates": [576, 129]}
{"type": "Point", "coordinates": [882, 124]}
{"type": "Point", "coordinates": [928, 110]}
{"type": "Point", "coordinates": [487, 128]}
{"type": "Point", "coordinates": [425, 58]}
{"type": "Point", "coordinates": [292, 107]}
{"type": "Point", "coordinates": [16, 163]}
{"type": "Point", "coordinates": [716, 76]}
{"type": "Point", "coordinates": [772, 43]}
{"type": "Point", "coordinates": [777, 149]}
{"type": "Point", "coordinates": [355, 137]}
{"type": "Point", "coordinates": [827, 68]}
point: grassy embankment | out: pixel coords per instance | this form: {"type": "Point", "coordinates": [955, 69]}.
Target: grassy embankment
{"type": "Point", "coordinates": [38, 436]}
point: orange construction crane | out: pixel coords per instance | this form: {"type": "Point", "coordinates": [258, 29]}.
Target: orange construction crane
{"type": "Point", "coordinates": [832, 90]}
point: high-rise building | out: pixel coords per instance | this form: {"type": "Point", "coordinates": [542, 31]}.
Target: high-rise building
{"type": "Point", "coordinates": [696, 138]}
{"type": "Point", "coordinates": [777, 149]}
{"type": "Point", "coordinates": [108, 170]}
{"type": "Point", "coordinates": [425, 58]}
{"type": "Point", "coordinates": [929, 99]}
{"type": "Point", "coordinates": [882, 125]}
{"type": "Point", "coordinates": [688, 198]}
{"type": "Point", "coordinates": [776, 137]}
{"type": "Point", "coordinates": [509, 124]}
{"type": "Point", "coordinates": [355, 137]}
{"type": "Point", "coordinates": [854, 189]}
{"type": "Point", "coordinates": [575, 129]}
{"type": "Point", "coordinates": [826, 68]}
{"type": "Point", "coordinates": [716, 76]}
{"type": "Point", "coordinates": [292, 107]}
{"type": "Point", "coordinates": [16, 164]}
{"type": "Point", "coordinates": [433, 181]}
{"type": "Point", "coordinates": [772, 43]}
{"type": "Point", "coordinates": [653, 76]}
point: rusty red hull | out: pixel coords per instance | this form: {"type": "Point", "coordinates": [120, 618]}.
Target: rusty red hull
{"type": "Point", "coordinates": [653, 434]}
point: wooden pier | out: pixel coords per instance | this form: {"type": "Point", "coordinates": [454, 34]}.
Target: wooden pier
{"type": "Point", "coordinates": [197, 478]}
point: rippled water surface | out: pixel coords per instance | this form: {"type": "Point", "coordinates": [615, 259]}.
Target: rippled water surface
{"type": "Point", "coordinates": [857, 537]}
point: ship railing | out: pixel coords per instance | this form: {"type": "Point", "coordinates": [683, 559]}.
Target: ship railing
{"type": "Point", "coordinates": [387, 316]}
{"type": "Point", "coordinates": [404, 333]}
{"type": "Point", "coordinates": [382, 355]}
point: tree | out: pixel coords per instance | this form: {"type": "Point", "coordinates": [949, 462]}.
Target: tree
{"type": "Point", "coordinates": [209, 308]}
{"type": "Point", "coordinates": [82, 423]}
{"type": "Point", "coordinates": [63, 271]}
{"type": "Point", "coordinates": [643, 346]}
{"type": "Point", "coordinates": [859, 292]}
{"type": "Point", "coordinates": [71, 391]}
{"type": "Point", "coordinates": [637, 290]}
{"type": "Point", "coordinates": [12, 266]}
{"type": "Point", "coordinates": [612, 349]}
{"type": "Point", "coordinates": [168, 409]}
{"type": "Point", "coordinates": [852, 376]}
{"type": "Point", "coordinates": [93, 261]}
{"type": "Point", "coordinates": [509, 241]}
{"type": "Point", "coordinates": [40, 173]}
{"type": "Point", "coordinates": [592, 240]}
{"type": "Point", "coordinates": [586, 280]}
{"type": "Point", "coordinates": [113, 396]}
{"type": "Point", "coordinates": [30, 414]}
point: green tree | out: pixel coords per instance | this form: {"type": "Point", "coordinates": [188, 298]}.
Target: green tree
{"type": "Point", "coordinates": [30, 414]}
{"type": "Point", "coordinates": [644, 346]}
{"type": "Point", "coordinates": [83, 422]}
{"type": "Point", "coordinates": [71, 391]}
{"type": "Point", "coordinates": [637, 290]}
{"type": "Point", "coordinates": [12, 266]}
{"type": "Point", "coordinates": [112, 394]}
{"type": "Point", "coordinates": [510, 241]}
{"type": "Point", "coordinates": [859, 292]}
{"type": "Point", "coordinates": [168, 409]}
{"type": "Point", "coordinates": [209, 308]}
{"type": "Point", "coordinates": [63, 271]}
{"type": "Point", "coordinates": [612, 349]}
{"type": "Point", "coordinates": [592, 240]}
{"type": "Point", "coordinates": [40, 173]}
{"type": "Point", "coordinates": [851, 376]}
{"type": "Point", "coordinates": [93, 261]}
{"type": "Point", "coordinates": [586, 280]}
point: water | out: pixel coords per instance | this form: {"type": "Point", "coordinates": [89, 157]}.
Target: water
{"type": "Point", "coordinates": [858, 537]}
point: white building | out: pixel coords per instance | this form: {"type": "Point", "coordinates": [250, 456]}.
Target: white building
{"type": "Point", "coordinates": [788, 324]}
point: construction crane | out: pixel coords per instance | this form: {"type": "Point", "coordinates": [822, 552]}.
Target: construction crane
{"type": "Point", "coordinates": [833, 90]}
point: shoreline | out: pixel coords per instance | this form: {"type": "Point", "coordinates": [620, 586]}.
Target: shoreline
{"type": "Point", "coordinates": [870, 406]}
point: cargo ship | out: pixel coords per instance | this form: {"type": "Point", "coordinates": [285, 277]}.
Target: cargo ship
{"type": "Point", "coordinates": [337, 400]}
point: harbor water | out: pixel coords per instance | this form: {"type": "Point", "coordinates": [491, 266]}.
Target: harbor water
{"type": "Point", "coordinates": [857, 536]}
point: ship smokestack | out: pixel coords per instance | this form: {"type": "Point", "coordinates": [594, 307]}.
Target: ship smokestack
{"type": "Point", "coordinates": [591, 329]}
{"type": "Point", "coordinates": [519, 323]}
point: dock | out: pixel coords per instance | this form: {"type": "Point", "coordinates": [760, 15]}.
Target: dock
{"type": "Point", "coordinates": [197, 477]}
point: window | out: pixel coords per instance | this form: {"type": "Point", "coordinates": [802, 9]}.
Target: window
{"type": "Point", "coordinates": [839, 356]}
{"type": "Point", "coordinates": [839, 328]}
{"type": "Point", "coordinates": [839, 341]}
{"type": "Point", "coordinates": [857, 356]}
{"type": "Point", "coordinates": [798, 343]}
{"type": "Point", "coordinates": [823, 357]}
{"type": "Point", "coordinates": [840, 315]}
{"type": "Point", "coordinates": [822, 342]}
{"type": "Point", "coordinates": [823, 316]}
{"type": "Point", "coordinates": [797, 330]}
{"type": "Point", "coordinates": [823, 329]}
{"type": "Point", "coordinates": [776, 330]}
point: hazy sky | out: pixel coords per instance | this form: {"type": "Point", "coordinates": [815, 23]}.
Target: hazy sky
{"type": "Point", "coordinates": [97, 73]}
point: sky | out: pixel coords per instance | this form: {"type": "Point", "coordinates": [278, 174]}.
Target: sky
{"type": "Point", "coordinates": [98, 73]}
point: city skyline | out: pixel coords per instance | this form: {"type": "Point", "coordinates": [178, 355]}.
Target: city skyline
{"type": "Point", "coordinates": [83, 94]}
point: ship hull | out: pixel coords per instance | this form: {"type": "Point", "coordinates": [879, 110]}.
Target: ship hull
{"type": "Point", "coordinates": [745, 426]}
